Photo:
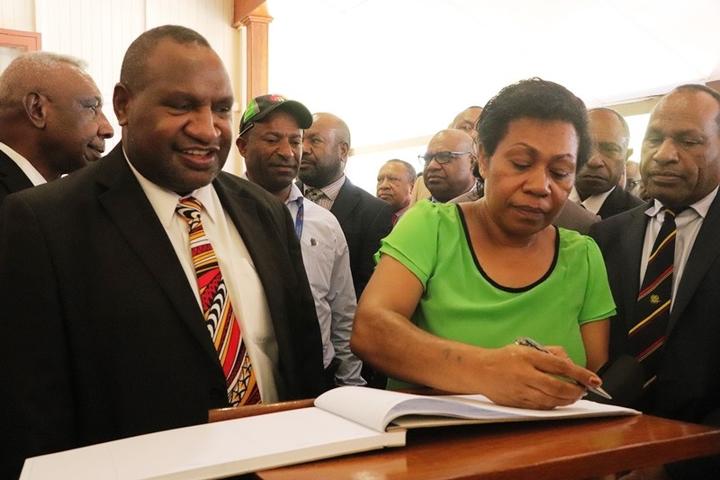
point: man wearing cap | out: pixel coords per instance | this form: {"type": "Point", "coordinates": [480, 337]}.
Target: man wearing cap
{"type": "Point", "coordinates": [364, 219]}
{"type": "Point", "coordinates": [271, 142]}
{"type": "Point", "coordinates": [150, 287]}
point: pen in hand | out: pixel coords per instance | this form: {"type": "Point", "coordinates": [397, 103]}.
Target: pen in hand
{"type": "Point", "coordinates": [529, 342]}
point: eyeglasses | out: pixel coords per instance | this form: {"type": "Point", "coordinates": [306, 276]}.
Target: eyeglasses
{"type": "Point", "coordinates": [441, 157]}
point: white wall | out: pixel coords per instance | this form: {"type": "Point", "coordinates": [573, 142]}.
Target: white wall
{"type": "Point", "coordinates": [99, 32]}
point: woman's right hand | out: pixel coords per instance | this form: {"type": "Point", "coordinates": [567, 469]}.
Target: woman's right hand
{"type": "Point", "coordinates": [519, 376]}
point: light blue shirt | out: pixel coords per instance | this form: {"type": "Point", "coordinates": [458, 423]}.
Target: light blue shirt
{"type": "Point", "coordinates": [327, 263]}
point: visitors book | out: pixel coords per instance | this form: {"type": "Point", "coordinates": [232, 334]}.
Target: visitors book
{"type": "Point", "coordinates": [344, 420]}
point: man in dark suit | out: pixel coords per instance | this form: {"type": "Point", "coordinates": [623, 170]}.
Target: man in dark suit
{"type": "Point", "coordinates": [51, 120]}
{"type": "Point", "coordinates": [105, 333]}
{"type": "Point", "coordinates": [596, 185]}
{"type": "Point", "coordinates": [681, 171]}
{"type": "Point", "coordinates": [364, 219]}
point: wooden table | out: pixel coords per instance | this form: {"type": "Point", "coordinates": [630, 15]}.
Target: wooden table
{"type": "Point", "coordinates": [545, 450]}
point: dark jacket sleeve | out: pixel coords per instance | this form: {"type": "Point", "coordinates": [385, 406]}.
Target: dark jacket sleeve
{"type": "Point", "coordinates": [378, 226]}
{"type": "Point", "coordinates": [36, 405]}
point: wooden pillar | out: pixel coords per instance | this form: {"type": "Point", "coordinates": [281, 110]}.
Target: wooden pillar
{"type": "Point", "coordinates": [253, 15]}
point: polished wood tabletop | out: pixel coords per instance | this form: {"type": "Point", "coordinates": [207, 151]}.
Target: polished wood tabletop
{"type": "Point", "coordinates": [563, 449]}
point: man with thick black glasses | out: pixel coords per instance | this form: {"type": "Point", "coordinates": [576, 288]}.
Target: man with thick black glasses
{"type": "Point", "coordinates": [449, 161]}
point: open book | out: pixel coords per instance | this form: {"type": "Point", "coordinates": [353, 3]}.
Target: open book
{"type": "Point", "coordinates": [344, 420]}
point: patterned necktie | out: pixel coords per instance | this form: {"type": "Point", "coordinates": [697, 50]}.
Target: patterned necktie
{"type": "Point", "coordinates": [648, 335]}
{"type": "Point", "coordinates": [314, 194]}
{"type": "Point", "coordinates": [220, 319]}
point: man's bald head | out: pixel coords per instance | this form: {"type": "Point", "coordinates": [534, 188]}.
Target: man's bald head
{"type": "Point", "coordinates": [467, 120]}
{"type": "Point", "coordinates": [132, 72]}
{"type": "Point", "coordinates": [449, 161]}
{"type": "Point", "coordinates": [51, 113]}
{"type": "Point", "coordinates": [33, 72]}
{"type": "Point", "coordinates": [326, 146]}
{"type": "Point", "coordinates": [330, 121]}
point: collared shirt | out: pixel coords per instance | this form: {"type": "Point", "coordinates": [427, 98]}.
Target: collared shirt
{"type": "Point", "coordinates": [471, 189]}
{"type": "Point", "coordinates": [24, 164]}
{"type": "Point", "coordinates": [327, 263]}
{"type": "Point", "coordinates": [331, 192]}
{"type": "Point", "coordinates": [688, 224]}
{"type": "Point", "coordinates": [593, 203]}
{"type": "Point", "coordinates": [246, 292]}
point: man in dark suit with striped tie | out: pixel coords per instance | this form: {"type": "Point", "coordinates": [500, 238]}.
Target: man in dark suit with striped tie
{"type": "Point", "coordinates": [150, 287]}
{"type": "Point", "coordinates": [663, 262]}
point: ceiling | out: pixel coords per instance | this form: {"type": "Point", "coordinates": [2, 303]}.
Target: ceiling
{"type": "Point", "coordinates": [401, 69]}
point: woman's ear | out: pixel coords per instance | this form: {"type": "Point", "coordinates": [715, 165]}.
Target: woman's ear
{"type": "Point", "coordinates": [483, 161]}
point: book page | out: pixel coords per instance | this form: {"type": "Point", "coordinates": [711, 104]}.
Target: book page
{"type": "Point", "coordinates": [376, 409]}
{"type": "Point", "coordinates": [215, 450]}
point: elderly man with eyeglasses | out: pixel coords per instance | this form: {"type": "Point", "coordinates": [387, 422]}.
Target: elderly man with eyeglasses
{"type": "Point", "coordinates": [449, 161]}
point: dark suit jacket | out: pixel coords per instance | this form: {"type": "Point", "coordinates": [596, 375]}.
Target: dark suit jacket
{"type": "Point", "coordinates": [12, 179]}
{"type": "Point", "coordinates": [102, 337]}
{"type": "Point", "coordinates": [688, 382]}
{"type": "Point", "coordinates": [617, 202]}
{"type": "Point", "coordinates": [364, 220]}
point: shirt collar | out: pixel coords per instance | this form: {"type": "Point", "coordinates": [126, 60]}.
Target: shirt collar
{"type": "Point", "coordinates": [435, 200]}
{"type": "Point", "coordinates": [701, 207]}
{"type": "Point", "coordinates": [23, 164]}
{"type": "Point", "coordinates": [332, 190]}
{"type": "Point", "coordinates": [164, 201]}
{"type": "Point", "coordinates": [593, 203]}
{"type": "Point", "coordinates": [294, 195]}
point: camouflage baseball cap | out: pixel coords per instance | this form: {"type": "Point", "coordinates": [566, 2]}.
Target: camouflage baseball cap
{"type": "Point", "coordinates": [262, 106]}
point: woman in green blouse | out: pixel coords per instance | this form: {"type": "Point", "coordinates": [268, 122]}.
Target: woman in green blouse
{"type": "Point", "coordinates": [456, 284]}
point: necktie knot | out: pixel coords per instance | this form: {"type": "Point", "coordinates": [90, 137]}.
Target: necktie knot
{"type": "Point", "coordinates": [314, 194]}
{"type": "Point", "coordinates": [673, 211]}
{"type": "Point", "coordinates": [189, 210]}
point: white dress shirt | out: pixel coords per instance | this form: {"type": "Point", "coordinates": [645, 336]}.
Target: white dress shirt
{"type": "Point", "coordinates": [593, 203]}
{"type": "Point", "coordinates": [24, 164]}
{"type": "Point", "coordinates": [327, 263]}
{"type": "Point", "coordinates": [688, 224]}
{"type": "Point", "coordinates": [246, 292]}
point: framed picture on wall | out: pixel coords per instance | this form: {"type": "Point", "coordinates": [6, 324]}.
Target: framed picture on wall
{"type": "Point", "coordinates": [16, 42]}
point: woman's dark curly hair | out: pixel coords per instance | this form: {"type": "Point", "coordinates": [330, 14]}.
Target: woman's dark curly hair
{"type": "Point", "coordinates": [533, 98]}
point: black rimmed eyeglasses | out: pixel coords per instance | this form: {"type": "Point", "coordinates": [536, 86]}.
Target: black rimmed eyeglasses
{"type": "Point", "coordinates": [441, 157]}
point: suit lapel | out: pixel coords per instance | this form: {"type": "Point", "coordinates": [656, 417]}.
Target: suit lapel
{"type": "Point", "coordinates": [632, 247]}
{"type": "Point", "coordinates": [11, 175]}
{"type": "Point", "coordinates": [704, 251]}
{"type": "Point", "coordinates": [346, 200]}
{"type": "Point", "coordinates": [244, 213]}
{"type": "Point", "coordinates": [129, 209]}
{"type": "Point", "coordinates": [610, 203]}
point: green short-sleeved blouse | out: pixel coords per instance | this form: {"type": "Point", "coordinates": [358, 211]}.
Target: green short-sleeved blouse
{"type": "Point", "coordinates": [460, 302]}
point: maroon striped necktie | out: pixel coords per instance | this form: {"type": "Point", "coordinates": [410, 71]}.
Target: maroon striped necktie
{"type": "Point", "coordinates": [220, 319]}
{"type": "Point", "coordinates": [648, 335]}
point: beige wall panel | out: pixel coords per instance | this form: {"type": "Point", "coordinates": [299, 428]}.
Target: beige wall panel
{"type": "Point", "coordinates": [19, 15]}
{"type": "Point", "coordinates": [100, 32]}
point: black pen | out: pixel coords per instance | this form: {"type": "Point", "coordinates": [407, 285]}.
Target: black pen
{"type": "Point", "coordinates": [529, 342]}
